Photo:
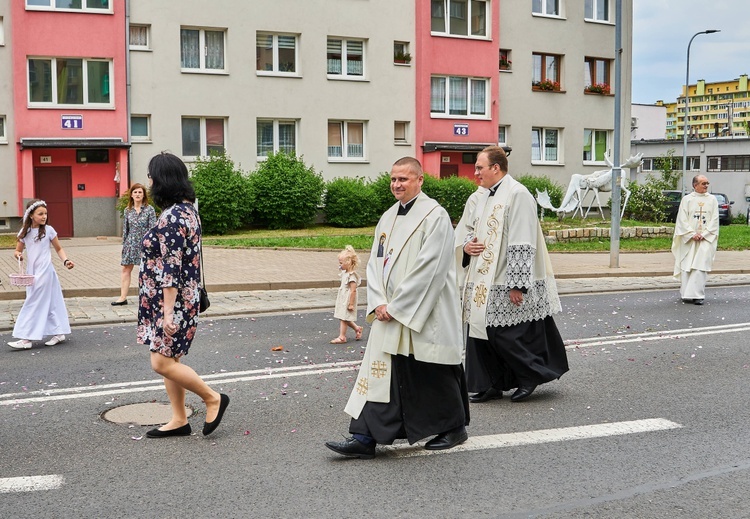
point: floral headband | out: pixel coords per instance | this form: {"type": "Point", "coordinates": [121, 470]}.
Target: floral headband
{"type": "Point", "coordinates": [32, 208]}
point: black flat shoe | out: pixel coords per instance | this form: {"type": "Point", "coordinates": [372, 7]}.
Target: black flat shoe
{"type": "Point", "coordinates": [521, 393]}
{"type": "Point", "coordinates": [484, 396]}
{"type": "Point", "coordinates": [698, 302]}
{"type": "Point", "coordinates": [185, 430]}
{"type": "Point", "coordinates": [119, 303]}
{"type": "Point", "coordinates": [447, 440]}
{"type": "Point", "coordinates": [208, 428]}
{"type": "Point", "coordinates": [353, 448]}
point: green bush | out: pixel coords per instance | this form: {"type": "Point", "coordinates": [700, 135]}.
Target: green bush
{"type": "Point", "coordinates": [348, 203]}
{"type": "Point", "coordinates": [739, 219]}
{"type": "Point", "coordinates": [451, 193]}
{"type": "Point", "coordinates": [223, 193]}
{"type": "Point", "coordinates": [646, 203]}
{"type": "Point", "coordinates": [287, 192]}
{"type": "Point", "coordinates": [380, 194]}
{"type": "Point", "coordinates": [534, 183]}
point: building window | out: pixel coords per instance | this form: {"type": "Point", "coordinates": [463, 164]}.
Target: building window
{"type": "Point", "coordinates": [202, 50]}
{"type": "Point", "coordinates": [596, 74]}
{"type": "Point", "coordinates": [2, 32]}
{"type": "Point", "coordinates": [729, 163]}
{"type": "Point", "coordinates": [547, 7]}
{"type": "Point", "coordinates": [597, 10]}
{"type": "Point", "coordinates": [139, 37]}
{"type": "Point", "coordinates": [505, 63]}
{"type": "Point", "coordinates": [401, 132]}
{"type": "Point", "coordinates": [346, 140]}
{"type": "Point", "coordinates": [458, 96]}
{"type": "Point", "coordinates": [276, 135]}
{"type": "Point", "coordinates": [595, 145]}
{"type": "Point", "coordinates": [94, 6]}
{"type": "Point", "coordinates": [460, 17]}
{"type": "Point", "coordinates": [502, 135]}
{"type": "Point", "coordinates": [140, 128]}
{"type": "Point", "coordinates": [545, 145]}
{"type": "Point", "coordinates": [346, 58]}
{"type": "Point", "coordinates": [276, 53]}
{"type": "Point", "coordinates": [546, 71]}
{"type": "Point", "coordinates": [3, 136]}
{"type": "Point", "coordinates": [74, 82]}
{"type": "Point", "coordinates": [202, 136]}
{"type": "Point", "coordinates": [401, 53]}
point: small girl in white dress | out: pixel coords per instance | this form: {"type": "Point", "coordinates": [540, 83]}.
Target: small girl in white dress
{"type": "Point", "coordinates": [346, 300]}
{"type": "Point", "coordinates": [43, 312]}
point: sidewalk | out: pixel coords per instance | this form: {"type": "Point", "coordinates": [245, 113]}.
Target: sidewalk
{"type": "Point", "coordinates": [253, 281]}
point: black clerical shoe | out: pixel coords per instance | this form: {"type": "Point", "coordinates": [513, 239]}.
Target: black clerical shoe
{"type": "Point", "coordinates": [447, 440]}
{"type": "Point", "coordinates": [353, 448]}
{"type": "Point", "coordinates": [185, 430]}
{"type": "Point", "coordinates": [208, 428]}
{"type": "Point", "coordinates": [698, 302]}
{"type": "Point", "coordinates": [522, 392]}
{"type": "Point", "coordinates": [484, 396]}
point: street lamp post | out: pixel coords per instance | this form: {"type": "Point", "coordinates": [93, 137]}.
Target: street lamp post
{"type": "Point", "coordinates": [686, 118]}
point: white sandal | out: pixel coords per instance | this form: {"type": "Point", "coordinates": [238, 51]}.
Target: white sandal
{"type": "Point", "coordinates": [21, 344]}
{"type": "Point", "coordinates": [57, 339]}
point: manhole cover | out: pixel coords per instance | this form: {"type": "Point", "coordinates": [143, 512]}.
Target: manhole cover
{"type": "Point", "coordinates": [146, 413]}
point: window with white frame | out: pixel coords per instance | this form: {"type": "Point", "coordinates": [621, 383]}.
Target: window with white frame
{"type": "Point", "coordinates": [460, 17]}
{"type": "Point", "coordinates": [276, 53]}
{"type": "Point", "coordinates": [70, 81]}
{"type": "Point", "coordinates": [401, 132]}
{"type": "Point", "coordinates": [502, 135]}
{"type": "Point", "coordinates": [139, 37]}
{"type": "Point", "coordinates": [596, 10]}
{"type": "Point", "coordinates": [547, 7]}
{"type": "Point", "coordinates": [202, 136]}
{"type": "Point", "coordinates": [274, 135]}
{"type": "Point", "coordinates": [346, 140]}
{"type": "Point", "coordinates": [202, 50]}
{"type": "Point", "coordinates": [94, 6]}
{"type": "Point", "coordinates": [459, 96]}
{"type": "Point", "coordinates": [595, 145]}
{"type": "Point", "coordinates": [545, 145]}
{"type": "Point", "coordinates": [2, 32]}
{"type": "Point", "coordinates": [401, 54]}
{"type": "Point", "coordinates": [3, 136]}
{"type": "Point", "coordinates": [140, 128]}
{"type": "Point", "coordinates": [346, 58]}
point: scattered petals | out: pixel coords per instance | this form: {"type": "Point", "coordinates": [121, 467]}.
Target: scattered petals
{"type": "Point", "coordinates": [277, 348]}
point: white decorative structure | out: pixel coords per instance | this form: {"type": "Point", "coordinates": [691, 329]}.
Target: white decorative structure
{"type": "Point", "coordinates": [580, 185]}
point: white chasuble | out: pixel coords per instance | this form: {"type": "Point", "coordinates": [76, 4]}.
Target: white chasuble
{"type": "Point", "coordinates": [415, 278]}
{"type": "Point", "coordinates": [698, 214]}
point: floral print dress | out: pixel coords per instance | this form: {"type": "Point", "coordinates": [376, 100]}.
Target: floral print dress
{"type": "Point", "coordinates": [134, 226]}
{"type": "Point", "coordinates": [170, 258]}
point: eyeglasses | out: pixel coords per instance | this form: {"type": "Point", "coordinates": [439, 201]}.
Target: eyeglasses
{"type": "Point", "coordinates": [480, 168]}
{"type": "Point", "coordinates": [704, 183]}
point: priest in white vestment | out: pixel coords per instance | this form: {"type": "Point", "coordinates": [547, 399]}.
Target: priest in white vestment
{"type": "Point", "coordinates": [696, 236]}
{"type": "Point", "coordinates": [509, 293]}
{"type": "Point", "coordinates": [411, 383]}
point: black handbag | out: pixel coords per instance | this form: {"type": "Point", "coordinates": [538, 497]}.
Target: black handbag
{"type": "Point", "coordinates": [203, 301]}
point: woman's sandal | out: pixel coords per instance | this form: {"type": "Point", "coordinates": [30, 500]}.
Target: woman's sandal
{"type": "Point", "coordinates": [359, 334]}
{"type": "Point", "coordinates": [338, 340]}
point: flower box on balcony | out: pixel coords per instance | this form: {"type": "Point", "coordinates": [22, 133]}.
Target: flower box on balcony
{"type": "Point", "coordinates": [546, 86]}
{"type": "Point", "coordinates": [597, 88]}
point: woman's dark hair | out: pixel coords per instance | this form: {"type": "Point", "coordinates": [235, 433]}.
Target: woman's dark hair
{"type": "Point", "coordinates": [171, 184]}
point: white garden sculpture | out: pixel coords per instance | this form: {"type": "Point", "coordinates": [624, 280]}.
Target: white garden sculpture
{"type": "Point", "coordinates": [580, 185]}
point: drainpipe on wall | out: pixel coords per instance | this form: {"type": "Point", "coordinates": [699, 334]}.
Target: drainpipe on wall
{"type": "Point", "coordinates": [127, 85]}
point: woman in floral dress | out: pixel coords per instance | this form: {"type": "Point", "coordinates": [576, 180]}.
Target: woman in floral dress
{"type": "Point", "coordinates": [169, 293]}
{"type": "Point", "coordinates": [138, 218]}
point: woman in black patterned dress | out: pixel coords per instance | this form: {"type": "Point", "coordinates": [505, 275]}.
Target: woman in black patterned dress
{"type": "Point", "coordinates": [169, 293]}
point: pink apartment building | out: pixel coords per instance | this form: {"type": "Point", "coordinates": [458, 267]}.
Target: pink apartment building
{"type": "Point", "coordinates": [69, 113]}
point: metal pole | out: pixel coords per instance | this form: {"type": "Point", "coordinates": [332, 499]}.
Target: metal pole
{"type": "Point", "coordinates": [614, 233]}
{"type": "Point", "coordinates": [686, 118]}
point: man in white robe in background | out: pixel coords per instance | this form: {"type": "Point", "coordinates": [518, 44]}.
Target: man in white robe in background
{"type": "Point", "coordinates": [510, 292]}
{"type": "Point", "coordinates": [696, 236]}
{"type": "Point", "coordinates": [411, 383]}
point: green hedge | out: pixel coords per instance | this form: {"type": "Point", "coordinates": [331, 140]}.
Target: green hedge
{"type": "Point", "coordinates": [224, 195]}
{"type": "Point", "coordinates": [534, 183]}
{"type": "Point", "coordinates": [348, 203]}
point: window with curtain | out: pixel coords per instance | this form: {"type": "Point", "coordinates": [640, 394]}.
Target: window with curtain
{"type": "Point", "coordinates": [202, 50]}
{"type": "Point", "coordinates": [400, 132]}
{"type": "Point", "coordinates": [346, 58]}
{"type": "Point", "coordinates": [274, 135]}
{"type": "Point", "coordinates": [460, 17]}
{"type": "Point", "coordinates": [139, 37]}
{"type": "Point", "coordinates": [139, 128]}
{"type": "Point", "coordinates": [545, 68]}
{"type": "Point", "coordinates": [548, 7]}
{"type": "Point", "coordinates": [75, 81]}
{"type": "Point", "coordinates": [346, 140]}
{"type": "Point", "coordinates": [595, 145]}
{"type": "Point", "coordinates": [78, 5]}
{"type": "Point", "coordinates": [191, 137]}
{"type": "Point", "coordinates": [202, 136]}
{"type": "Point", "coordinates": [597, 10]}
{"type": "Point", "coordinates": [214, 136]}
{"type": "Point", "coordinates": [502, 135]}
{"type": "Point", "coordinates": [545, 145]}
{"type": "Point", "coordinates": [596, 71]}
{"type": "Point", "coordinates": [462, 96]}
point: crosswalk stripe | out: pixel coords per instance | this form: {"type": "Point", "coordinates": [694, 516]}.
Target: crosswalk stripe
{"type": "Point", "coordinates": [30, 483]}
{"type": "Point", "coordinates": [496, 441]}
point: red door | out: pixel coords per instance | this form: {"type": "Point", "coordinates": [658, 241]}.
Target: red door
{"type": "Point", "coordinates": [53, 185]}
{"type": "Point", "coordinates": [448, 170]}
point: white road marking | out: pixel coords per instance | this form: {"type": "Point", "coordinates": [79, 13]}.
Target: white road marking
{"type": "Point", "coordinates": [30, 483]}
{"type": "Point", "coordinates": [496, 441]}
{"type": "Point", "coordinates": [656, 336]}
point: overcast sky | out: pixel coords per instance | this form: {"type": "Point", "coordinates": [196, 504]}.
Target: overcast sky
{"type": "Point", "coordinates": [661, 32]}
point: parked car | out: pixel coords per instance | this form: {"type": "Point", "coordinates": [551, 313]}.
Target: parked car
{"type": "Point", "coordinates": [673, 204]}
{"type": "Point", "coordinates": [725, 208]}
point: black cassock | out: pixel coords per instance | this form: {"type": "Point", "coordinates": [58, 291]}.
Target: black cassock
{"type": "Point", "coordinates": [528, 353]}
{"type": "Point", "coordinates": [426, 399]}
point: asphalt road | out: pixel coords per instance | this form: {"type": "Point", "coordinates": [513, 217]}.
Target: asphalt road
{"type": "Point", "coordinates": [637, 359]}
